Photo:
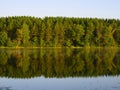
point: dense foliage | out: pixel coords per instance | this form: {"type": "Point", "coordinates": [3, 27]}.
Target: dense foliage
{"type": "Point", "coordinates": [68, 62]}
{"type": "Point", "coordinates": [24, 31]}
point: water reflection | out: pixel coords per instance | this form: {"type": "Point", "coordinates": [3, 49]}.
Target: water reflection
{"type": "Point", "coordinates": [5, 88]}
{"type": "Point", "coordinates": [50, 62]}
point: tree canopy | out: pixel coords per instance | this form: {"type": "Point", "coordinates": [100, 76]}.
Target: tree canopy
{"type": "Point", "coordinates": [26, 31]}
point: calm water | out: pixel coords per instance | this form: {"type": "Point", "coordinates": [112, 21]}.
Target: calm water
{"type": "Point", "coordinates": [60, 69]}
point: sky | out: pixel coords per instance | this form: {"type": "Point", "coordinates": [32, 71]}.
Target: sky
{"type": "Point", "coordinates": [65, 8]}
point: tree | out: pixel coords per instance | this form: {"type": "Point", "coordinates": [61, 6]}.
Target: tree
{"type": "Point", "coordinates": [19, 37]}
{"type": "Point", "coordinates": [26, 36]}
{"type": "Point", "coordinates": [89, 33]}
{"type": "Point", "coordinates": [48, 33]}
{"type": "Point", "coordinates": [58, 34]}
{"type": "Point", "coordinates": [108, 39]}
{"type": "Point", "coordinates": [34, 35]}
{"type": "Point", "coordinates": [58, 31]}
{"type": "Point", "coordinates": [78, 35]}
{"type": "Point", "coordinates": [23, 35]}
{"type": "Point", "coordinates": [3, 38]}
{"type": "Point", "coordinates": [116, 36]}
{"type": "Point", "coordinates": [42, 34]}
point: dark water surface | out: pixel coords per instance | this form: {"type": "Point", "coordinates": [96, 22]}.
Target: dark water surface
{"type": "Point", "coordinates": [60, 69]}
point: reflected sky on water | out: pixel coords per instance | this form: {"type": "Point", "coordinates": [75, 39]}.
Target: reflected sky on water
{"type": "Point", "coordinates": [41, 83]}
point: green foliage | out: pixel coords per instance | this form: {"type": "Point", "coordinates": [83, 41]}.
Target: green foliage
{"type": "Point", "coordinates": [116, 36]}
{"type": "Point", "coordinates": [24, 31]}
{"type": "Point", "coordinates": [22, 35]}
{"type": "Point", "coordinates": [3, 38]}
{"type": "Point", "coordinates": [26, 37]}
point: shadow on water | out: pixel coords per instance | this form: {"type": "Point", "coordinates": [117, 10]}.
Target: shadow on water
{"type": "Point", "coordinates": [6, 88]}
{"type": "Point", "coordinates": [66, 62]}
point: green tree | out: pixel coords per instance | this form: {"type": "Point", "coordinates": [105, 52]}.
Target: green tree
{"type": "Point", "coordinates": [58, 34]}
{"type": "Point", "coordinates": [89, 33]}
{"type": "Point", "coordinates": [78, 35]}
{"type": "Point", "coordinates": [116, 36]}
{"type": "Point", "coordinates": [48, 32]}
{"type": "Point", "coordinates": [23, 35]}
{"type": "Point", "coordinates": [19, 37]}
{"type": "Point", "coordinates": [34, 35]}
{"type": "Point", "coordinates": [108, 39]}
{"type": "Point", "coordinates": [42, 34]}
{"type": "Point", "coordinates": [3, 38]}
{"type": "Point", "coordinates": [58, 31]}
{"type": "Point", "coordinates": [26, 36]}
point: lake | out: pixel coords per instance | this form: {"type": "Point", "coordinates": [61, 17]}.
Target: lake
{"type": "Point", "coordinates": [60, 69]}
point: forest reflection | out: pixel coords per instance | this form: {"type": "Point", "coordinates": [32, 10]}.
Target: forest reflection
{"type": "Point", "coordinates": [59, 63]}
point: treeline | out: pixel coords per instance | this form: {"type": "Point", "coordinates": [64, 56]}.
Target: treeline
{"type": "Point", "coordinates": [59, 63]}
{"type": "Point", "coordinates": [24, 31]}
